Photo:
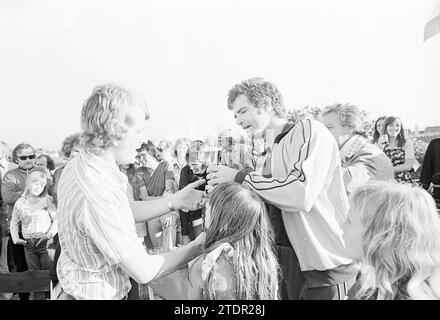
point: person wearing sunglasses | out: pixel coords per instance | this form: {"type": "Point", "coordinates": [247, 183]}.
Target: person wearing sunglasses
{"type": "Point", "coordinates": [13, 184]}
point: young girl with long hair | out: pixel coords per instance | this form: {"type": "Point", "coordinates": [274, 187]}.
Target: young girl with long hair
{"type": "Point", "coordinates": [36, 212]}
{"type": "Point", "coordinates": [400, 150]}
{"type": "Point", "coordinates": [380, 139]}
{"type": "Point", "coordinates": [394, 231]}
{"type": "Point", "coordinates": [239, 260]}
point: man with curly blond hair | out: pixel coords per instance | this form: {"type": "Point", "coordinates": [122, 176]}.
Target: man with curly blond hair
{"type": "Point", "coordinates": [100, 249]}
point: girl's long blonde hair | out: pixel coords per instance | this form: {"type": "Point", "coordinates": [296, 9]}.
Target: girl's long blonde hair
{"type": "Point", "coordinates": [239, 217]}
{"type": "Point", "coordinates": [400, 241]}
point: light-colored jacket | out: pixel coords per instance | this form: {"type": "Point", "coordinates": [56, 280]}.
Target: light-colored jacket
{"type": "Point", "coordinates": [307, 185]}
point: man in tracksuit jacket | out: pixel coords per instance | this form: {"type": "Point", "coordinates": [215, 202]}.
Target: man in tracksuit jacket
{"type": "Point", "coordinates": [305, 191]}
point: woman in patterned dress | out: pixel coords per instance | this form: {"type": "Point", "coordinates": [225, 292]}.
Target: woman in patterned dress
{"type": "Point", "coordinates": [400, 150]}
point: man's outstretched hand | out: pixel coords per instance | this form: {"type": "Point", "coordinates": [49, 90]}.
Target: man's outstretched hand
{"type": "Point", "coordinates": [190, 199]}
{"type": "Point", "coordinates": [220, 174]}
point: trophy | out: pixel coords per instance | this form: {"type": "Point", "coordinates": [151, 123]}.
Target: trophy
{"type": "Point", "coordinates": [211, 159]}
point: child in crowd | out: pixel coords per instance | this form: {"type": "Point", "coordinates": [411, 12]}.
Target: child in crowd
{"type": "Point", "coordinates": [239, 261]}
{"type": "Point", "coordinates": [36, 213]}
{"type": "Point", "coordinates": [394, 231]}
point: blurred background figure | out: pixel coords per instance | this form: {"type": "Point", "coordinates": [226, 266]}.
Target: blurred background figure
{"type": "Point", "coordinates": [181, 148]}
{"type": "Point", "coordinates": [159, 180]}
{"type": "Point", "coordinates": [5, 166]}
{"type": "Point", "coordinates": [69, 149]}
{"type": "Point", "coordinates": [148, 156]}
{"type": "Point", "coordinates": [136, 191]}
{"type": "Point", "coordinates": [393, 230]}
{"type": "Point", "coordinates": [430, 174]}
{"type": "Point", "coordinates": [229, 153]}
{"type": "Point", "coordinates": [361, 161]}
{"type": "Point", "coordinates": [166, 151]}
{"type": "Point", "coordinates": [400, 150]}
{"type": "Point", "coordinates": [380, 138]}
{"type": "Point", "coordinates": [191, 221]}
{"type": "Point", "coordinates": [45, 163]}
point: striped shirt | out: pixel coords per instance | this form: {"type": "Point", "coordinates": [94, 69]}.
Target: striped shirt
{"type": "Point", "coordinates": [96, 229]}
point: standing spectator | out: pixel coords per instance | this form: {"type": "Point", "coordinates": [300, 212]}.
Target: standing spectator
{"type": "Point", "coordinates": [159, 180]}
{"type": "Point", "coordinates": [70, 148]}
{"type": "Point", "coordinates": [394, 231]}
{"type": "Point", "coordinates": [181, 148]}
{"type": "Point", "coordinates": [361, 161]}
{"type": "Point", "coordinates": [13, 185]}
{"type": "Point", "coordinates": [133, 192]}
{"type": "Point", "coordinates": [380, 138]}
{"type": "Point", "coordinates": [255, 155]}
{"type": "Point", "coordinates": [100, 250]}
{"type": "Point", "coordinates": [141, 157]}
{"type": "Point", "coordinates": [400, 150]}
{"type": "Point", "coordinates": [36, 213]}
{"type": "Point", "coordinates": [229, 154]}
{"type": "Point", "coordinates": [45, 161]}
{"type": "Point", "coordinates": [5, 158]}
{"type": "Point", "coordinates": [430, 174]}
{"type": "Point", "coordinates": [192, 222]}
{"type": "Point", "coordinates": [148, 155]}
{"type": "Point", "coordinates": [166, 151]}
{"type": "Point", "coordinates": [305, 192]}
{"type": "Point", "coordinates": [136, 191]}
{"type": "Point", "coordinates": [46, 164]}
{"type": "Point", "coordinates": [5, 166]}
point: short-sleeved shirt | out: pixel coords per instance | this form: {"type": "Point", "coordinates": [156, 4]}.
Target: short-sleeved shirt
{"type": "Point", "coordinates": [96, 229]}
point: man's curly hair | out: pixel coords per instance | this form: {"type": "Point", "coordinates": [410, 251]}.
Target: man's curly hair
{"type": "Point", "coordinates": [106, 116]}
{"type": "Point", "coordinates": [258, 91]}
{"type": "Point", "coordinates": [69, 143]}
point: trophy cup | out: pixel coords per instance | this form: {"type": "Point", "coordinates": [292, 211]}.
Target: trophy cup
{"type": "Point", "coordinates": [211, 159]}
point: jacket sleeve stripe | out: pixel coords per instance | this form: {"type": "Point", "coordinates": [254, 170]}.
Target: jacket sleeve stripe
{"type": "Point", "coordinates": [296, 174]}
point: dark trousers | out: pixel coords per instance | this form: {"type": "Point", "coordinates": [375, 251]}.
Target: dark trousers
{"type": "Point", "coordinates": [17, 262]}
{"type": "Point", "coordinates": [436, 196]}
{"type": "Point", "coordinates": [53, 268]}
{"type": "Point", "coordinates": [291, 280]}
{"type": "Point", "coordinates": [38, 257]}
{"type": "Point", "coordinates": [338, 291]}
{"type": "Point", "coordinates": [331, 284]}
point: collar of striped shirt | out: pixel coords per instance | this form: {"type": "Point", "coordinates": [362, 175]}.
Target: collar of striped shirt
{"type": "Point", "coordinates": [107, 168]}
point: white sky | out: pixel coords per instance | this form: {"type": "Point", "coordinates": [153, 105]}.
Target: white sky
{"type": "Point", "coordinates": [183, 56]}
